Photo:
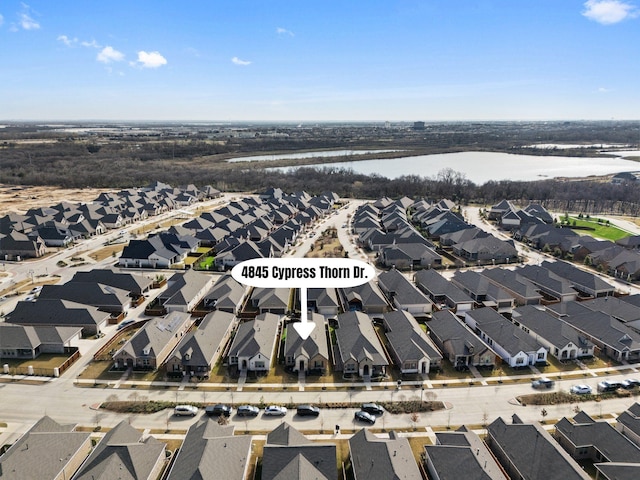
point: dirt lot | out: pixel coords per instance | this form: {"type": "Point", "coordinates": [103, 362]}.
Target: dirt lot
{"type": "Point", "coordinates": [14, 198]}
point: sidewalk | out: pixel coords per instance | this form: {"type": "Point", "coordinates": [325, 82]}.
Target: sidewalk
{"type": "Point", "coordinates": [427, 384]}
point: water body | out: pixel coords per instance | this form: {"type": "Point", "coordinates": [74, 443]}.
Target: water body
{"type": "Point", "coordinates": [293, 156]}
{"type": "Point", "coordinates": [480, 167]}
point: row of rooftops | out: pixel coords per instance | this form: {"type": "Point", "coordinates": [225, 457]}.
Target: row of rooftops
{"type": "Point", "coordinates": [210, 450]}
{"type": "Point", "coordinates": [25, 235]}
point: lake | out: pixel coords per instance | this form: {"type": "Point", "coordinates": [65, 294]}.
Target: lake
{"type": "Point", "coordinates": [480, 167]}
{"type": "Point", "coordinates": [293, 156]}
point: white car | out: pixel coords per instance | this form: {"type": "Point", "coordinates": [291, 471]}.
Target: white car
{"type": "Point", "coordinates": [581, 389]}
{"type": "Point", "coordinates": [275, 410]}
{"type": "Point", "coordinates": [180, 410]}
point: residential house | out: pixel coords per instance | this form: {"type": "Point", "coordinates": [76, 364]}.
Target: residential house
{"type": "Point", "coordinates": [364, 298]}
{"type": "Point", "coordinates": [359, 349]}
{"type": "Point", "coordinates": [516, 347]}
{"type": "Point", "coordinates": [185, 290]}
{"type": "Point", "coordinates": [62, 313]}
{"type": "Point", "coordinates": [443, 293]}
{"type": "Point", "coordinates": [628, 423]}
{"type": "Point", "coordinates": [136, 285]}
{"type": "Point", "coordinates": [48, 450]}
{"type": "Point", "coordinates": [226, 295]}
{"type": "Point", "coordinates": [104, 297]}
{"type": "Point", "coordinates": [151, 345]}
{"type": "Point", "coordinates": [617, 307]}
{"type": "Point", "coordinates": [311, 354]}
{"type": "Point", "coordinates": [123, 452]}
{"type": "Point", "coordinates": [158, 251]}
{"type": "Point", "coordinates": [254, 345]}
{"type": "Point", "coordinates": [212, 451]}
{"type": "Point", "coordinates": [553, 288]}
{"type": "Point", "coordinates": [271, 300]}
{"type": "Point", "coordinates": [374, 458]}
{"type": "Point", "coordinates": [405, 256]}
{"type": "Point", "coordinates": [487, 249]}
{"type": "Point", "coordinates": [411, 348]}
{"type": "Point", "coordinates": [584, 438]}
{"type": "Point", "coordinates": [561, 340]}
{"type": "Point", "coordinates": [461, 454]}
{"type": "Point", "coordinates": [458, 343]}
{"type": "Point", "coordinates": [520, 288]}
{"type": "Point", "coordinates": [288, 454]}
{"type": "Point", "coordinates": [587, 284]}
{"type": "Point", "coordinates": [18, 245]}
{"type": "Point", "coordinates": [402, 294]}
{"type": "Point", "coordinates": [613, 338]}
{"type": "Point", "coordinates": [24, 341]}
{"type": "Point", "coordinates": [528, 452]}
{"type": "Point", "coordinates": [323, 301]}
{"type": "Point", "coordinates": [483, 292]}
{"type": "Point", "coordinates": [200, 349]}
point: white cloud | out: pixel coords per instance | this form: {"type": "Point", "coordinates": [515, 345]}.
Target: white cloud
{"type": "Point", "coordinates": [237, 61]}
{"type": "Point", "coordinates": [109, 54]}
{"type": "Point", "coordinates": [64, 39]}
{"type": "Point", "coordinates": [150, 59]}
{"type": "Point", "coordinates": [92, 44]}
{"type": "Point", "coordinates": [608, 12]}
{"type": "Point", "coordinates": [1, 19]}
{"type": "Point", "coordinates": [284, 31]}
{"type": "Point", "coordinates": [604, 90]}
{"type": "Point", "coordinates": [26, 21]}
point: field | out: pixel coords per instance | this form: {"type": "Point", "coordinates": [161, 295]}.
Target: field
{"type": "Point", "coordinates": [597, 229]}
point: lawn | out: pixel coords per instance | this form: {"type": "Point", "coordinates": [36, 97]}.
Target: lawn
{"type": "Point", "coordinates": [45, 361]}
{"type": "Point", "coordinates": [110, 251]}
{"type": "Point", "coordinates": [448, 373]}
{"type": "Point", "coordinates": [600, 229]}
{"type": "Point", "coordinates": [207, 263]}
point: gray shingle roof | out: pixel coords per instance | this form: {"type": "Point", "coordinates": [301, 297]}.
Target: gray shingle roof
{"type": "Point", "coordinates": [436, 285]}
{"type": "Point", "coordinates": [376, 458]}
{"type": "Point", "coordinates": [43, 451]}
{"type": "Point", "coordinates": [614, 446]}
{"type": "Point", "coordinates": [288, 455]}
{"type": "Point", "coordinates": [357, 339]}
{"type": "Point", "coordinates": [398, 287]}
{"type": "Point", "coordinates": [123, 455]}
{"type": "Point", "coordinates": [314, 344]}
{"type": "Point", "coordinates": [256, 336]}
{"type": "Point", "coordinates": [545, 325]}
{"type": "Point", "coordinates": [532, 451]}
{"type": "Point", "coordinates": [211, 451]}
{"type": "Point", "coordinates": [407, 339]}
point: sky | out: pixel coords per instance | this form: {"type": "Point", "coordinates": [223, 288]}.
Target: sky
{"type": "Point", "coordinates": [312, 60]}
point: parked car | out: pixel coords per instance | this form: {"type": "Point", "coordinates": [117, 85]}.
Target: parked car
{"type": "Point", "coordinates": [275, 410]}
{"type": "Point", "coordinates": [30, 298]}
{"type": "Point", "coordinates": [182, 410]}
{"type": "Point", "coordinates": [247, 411]}
{"type": "Point", "coordinates": [366, 417]}
{"type": "Point", "coordinates": [630, 383]}
{"type": "Point", "coordinates": [217, 410]}
{"type": "Point", "coordinates": [36, 290]}
{"type": "Point", "coordinates": [372, 408]}
{"type": "Point", "coordinates": [124, 324]}
{"type": "Point", "coordinates": [581, 389]}
{"type": "Point", "coordinates": [542, 382]}
{"type": "Point", "coordinates": [307, 411]}
{"type": "Point", "coordinates": [609, 386]}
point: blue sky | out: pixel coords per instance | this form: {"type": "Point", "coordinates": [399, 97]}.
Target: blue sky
{"type": "Point", "coordinates": [345, 60]}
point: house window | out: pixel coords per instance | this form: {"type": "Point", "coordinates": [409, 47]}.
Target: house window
{"type": "Point", "coordinates": [259, 365]}
{"type": "Point", "coordinates": [519, 361]}
{"type": "Point", "coordinates": [585, 351]}
{"type": "Point", "coordinates": [541, 356]}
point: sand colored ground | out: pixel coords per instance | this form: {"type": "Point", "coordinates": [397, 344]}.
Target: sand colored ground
{"type": "Point", "coordinates": [16, 198]}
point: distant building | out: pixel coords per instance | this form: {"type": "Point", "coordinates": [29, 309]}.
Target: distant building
{"type": "Point", "coordinates": [418, 125]}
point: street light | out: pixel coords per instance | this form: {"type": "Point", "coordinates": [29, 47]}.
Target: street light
{"type": "Point", "coordinates": [30, 272]}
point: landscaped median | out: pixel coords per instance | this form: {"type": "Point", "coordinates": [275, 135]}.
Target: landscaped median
{"type": "Point", "coordinates": [555, 398]}
{"type": "Point", "coordinates": [154, 406]}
